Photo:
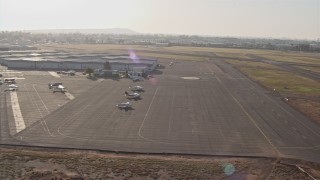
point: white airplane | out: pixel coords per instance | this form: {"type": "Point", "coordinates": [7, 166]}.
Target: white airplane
{"type": "Point", "coordinates": [59, 88]}
{"type": "Point", "coordinates": [12, 87]}
{"type": "Point", "coordinates": [136, 88]}
{"type": "Point", "coordinates": [150, 76]}
{"type": "Point", "coordinates": [124, 105]}
{"type": "Point", "coordinates": [132, 95]}
{"type": "Point", "coordinates": [53, 85]}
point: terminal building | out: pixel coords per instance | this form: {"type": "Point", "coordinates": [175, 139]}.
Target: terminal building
{"type": "Point", "coordinates": [78, 62]}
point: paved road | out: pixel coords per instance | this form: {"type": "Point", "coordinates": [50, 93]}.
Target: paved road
{"type": "Point", "coordinates": [223, 113]}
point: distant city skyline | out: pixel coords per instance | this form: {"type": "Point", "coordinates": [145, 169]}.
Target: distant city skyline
{"type": "Point", "coordinates": [293, 19]}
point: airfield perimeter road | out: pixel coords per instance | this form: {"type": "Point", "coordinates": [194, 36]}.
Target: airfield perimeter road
{"type": "Point", "coordinates": [222, 113]}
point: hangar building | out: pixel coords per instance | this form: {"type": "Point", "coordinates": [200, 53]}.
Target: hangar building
{"type": "Point", "coordinates": [77, 62]}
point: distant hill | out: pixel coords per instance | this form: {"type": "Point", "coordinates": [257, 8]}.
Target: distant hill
{"type": "Point", "coordinates": [86, 31]}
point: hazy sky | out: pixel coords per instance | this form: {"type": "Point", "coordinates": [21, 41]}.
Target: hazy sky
{"type": "Point", "coordinates": [250, 18]}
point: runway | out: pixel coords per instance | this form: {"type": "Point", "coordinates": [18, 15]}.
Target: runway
{"type": "Point", "coordinates": [222, 113]}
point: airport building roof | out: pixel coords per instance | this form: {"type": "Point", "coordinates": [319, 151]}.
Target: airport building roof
{"type": "Point", "coordinates": [131, 62]}
{"type": "Point", "coordinates": [57, 56]}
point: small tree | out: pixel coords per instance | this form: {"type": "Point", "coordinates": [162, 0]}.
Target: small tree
{"type": "Point", "coordinates": [89, 71]}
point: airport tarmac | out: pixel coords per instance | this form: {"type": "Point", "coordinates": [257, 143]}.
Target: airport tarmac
{"type": "Point", "coordinates": [214, 111]}
{"type": "Point", "coordinates": [35, 99]}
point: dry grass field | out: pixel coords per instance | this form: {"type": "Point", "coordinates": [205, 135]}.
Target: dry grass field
{"type": "Point", "coordinates": [315, 69]}
{"type": "Point", "coordinates": [43, 164]}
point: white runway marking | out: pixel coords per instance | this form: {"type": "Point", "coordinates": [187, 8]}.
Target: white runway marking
{"type": "Point", "coordinates": [171, 114]}
{"type": "Point", "coordinates": [44, 105]}
{"type": "Point", "coordinates": [190, 78]}
{"type": "Point", "coordinates": [218, 78]}
{"type": "Point", "coordinates": [70, 96]}
{"type": "Point", "coordinates": [145, 117]}
{"type": "Point", "coordinates": [54, 74]}
{"type": "Point", "coordinates": [10, 72]}
{"type": "Point", "coordinates": [14, 78]}
{"type": "Point", "coordinates": [249, 116]}
{"type": "Point", "coordinates": [17, 115]}
{"type": "Point", "coordinates": [34, 105]}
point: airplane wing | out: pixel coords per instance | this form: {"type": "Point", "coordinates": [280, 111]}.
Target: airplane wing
{"type": "Point", "coordinates": [61, 87]}
{"type": "Point", "coordinates": [13, 86]}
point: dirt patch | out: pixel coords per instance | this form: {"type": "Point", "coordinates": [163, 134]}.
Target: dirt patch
{"type": "Point", "coordinates": [29, 163]}
{"type": "Point", "coordinates": [310, 108]}
{"type": "Point", "coordinates": [45, 175]}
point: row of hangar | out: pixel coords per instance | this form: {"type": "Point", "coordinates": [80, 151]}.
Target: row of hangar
{"type": "Point", "coordinates": [125, 64]}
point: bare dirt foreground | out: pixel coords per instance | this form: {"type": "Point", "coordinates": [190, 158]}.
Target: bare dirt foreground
{"type": "Point", "coordinates": [36, 163]}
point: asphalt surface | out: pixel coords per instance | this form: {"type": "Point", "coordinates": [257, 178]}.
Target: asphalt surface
{"type": "Point", "coordinates": [223, 113]}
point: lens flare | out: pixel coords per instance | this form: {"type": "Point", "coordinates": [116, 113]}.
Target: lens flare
{"type": "Point", "coordinates": [132, 55]}
{"type": "Point", "coordinates": [229, 169]}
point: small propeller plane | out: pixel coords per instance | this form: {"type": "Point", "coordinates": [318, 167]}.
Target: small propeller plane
{"type": "Point", "coordinates": [12, 87]}
{"type": "Point", "coordinates": [132, 95]}
{"type": "Point", "coordinates": [136, 88]}
{"type": "Point", "coordinates": [124, 105]}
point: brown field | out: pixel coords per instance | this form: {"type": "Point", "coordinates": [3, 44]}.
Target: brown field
{"type": "Point", "coordinates": [309, 107]}
{"type": "Point", "coordinates": [29, 163]}
{"type": "Point", "coordinates": [315, 69]}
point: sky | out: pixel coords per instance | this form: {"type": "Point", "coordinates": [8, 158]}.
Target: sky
{"type": "Point", "coordinates": [295, 19]}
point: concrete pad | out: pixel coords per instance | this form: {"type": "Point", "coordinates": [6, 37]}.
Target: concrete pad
{"type": "Point", "coordinates": [191, 78]}
{"type": "Point", "coordinates": [54, 74]}
{"type": "Point", "coordinates": [70, 96]}
{"type": "Point", "coordinates": [18, 119]}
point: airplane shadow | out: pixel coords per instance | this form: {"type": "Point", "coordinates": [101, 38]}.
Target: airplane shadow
{"type": "Point", "coordinates": [128, 109]}
{"type": "Point", "coordinates": [136, 99]}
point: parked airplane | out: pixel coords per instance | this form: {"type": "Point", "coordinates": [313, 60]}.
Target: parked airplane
{"type": "Point", "coordinates": [136, 78]}
{"type": "Point", "coordinates": [150, 76]}
{"type": "Point", "coordinates": [136, 88]}
{"type": "Point", "coordinates": [10, 81]}
{"type": "Point", "coordinates": [132, 95]}
{"type": "Point", "coordinates": [59, 88]}
{"type": "Point", "coordinates": [53, 85]}
{"type": "Point", "coordinates": [12, 87]}
{"type": "Point", "coordinates": [124, 105]}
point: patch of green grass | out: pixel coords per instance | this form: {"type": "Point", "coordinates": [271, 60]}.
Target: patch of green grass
{"type": "Point", "coordinates": [252, 64]}
{"type": "Point", "coordinates": [170, 56]}
{"type": "Point", "coordinates": [232, 55]}
{"type": "Point", "coordinates": [284, 82]}
{"type": "Point", "coordinates": [292, 59]}
{"type": "Point", "coordinates": [274, 77]}
{"type": "Point", "coordinates": [315, 69]}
